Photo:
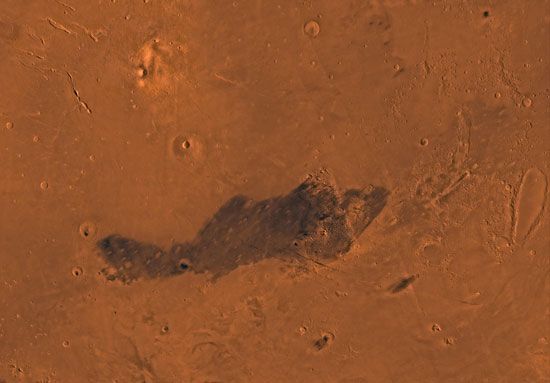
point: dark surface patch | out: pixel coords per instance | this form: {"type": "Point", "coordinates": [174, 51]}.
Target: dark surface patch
{"type": "Point", "coordinates": [313, 221]}
{"type": "Point", "coordinates": [324, 341]}
{"type": "Point", "coordinates": [130, 260]}
{"type": "Point", "coordinates": [403, 284]}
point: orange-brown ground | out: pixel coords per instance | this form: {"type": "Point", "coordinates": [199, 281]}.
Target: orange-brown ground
{"type": "Point", "coordinates": [183, 128]}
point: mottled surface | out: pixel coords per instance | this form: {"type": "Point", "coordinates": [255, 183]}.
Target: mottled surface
{"type": "Point", "coordinates": [145, 139]}
{"type": "Point", "coordinates": [313, 222]}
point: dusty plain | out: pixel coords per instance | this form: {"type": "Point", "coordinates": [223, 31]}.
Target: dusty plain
{"type": "Point", "coordinates": [274, 191]}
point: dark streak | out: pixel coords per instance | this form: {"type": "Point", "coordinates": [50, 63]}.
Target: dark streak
{"type": "Point", "coordinates": [324, 341]}
{"type": "Point", "coordinates": [403, 284]}
{"type": "Point", "coordinates": [312, 222]}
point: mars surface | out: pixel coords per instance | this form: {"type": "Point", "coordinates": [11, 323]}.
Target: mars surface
{"type": "Point", "coordinates": [262, 191]}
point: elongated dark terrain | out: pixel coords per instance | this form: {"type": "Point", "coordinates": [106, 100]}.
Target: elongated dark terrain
{"type": "Point", "coordinates": [261, 191]}
{"type": "Point", "coordinates": [313, 221]}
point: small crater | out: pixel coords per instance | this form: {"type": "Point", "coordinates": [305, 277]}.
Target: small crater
{"type": "Point", "coordinates": [44, 185]}
{"type": "Point", "coordinates": [486, 14]}
{"type": "Point", "coordinates": [66, 343]}
{"type": "Point", "coordinates": [189, 147]}
{"type": "Point", "coordinates": [77, 271]}
{"type": "Point", "coordinates": [325, 341]}
{"type": "Point", "coordinates": [165, 329]}
{"type": "Point", "coordinates": [156, 66]}
{"type": "Point", "coordinates": [183, 265]}
{"type": "Point", "coordinates": [424, 142]}
{"type": "Point", "coordinates": [450, 341]}
{"type": "Point", "coordinates": [312, 28]}
{"type": "Point", "coordinates": [141, 71]}
{"type": "Point", "coordinates": [436, 328]}
{"type": "Point", "coordinates": [87, 230]}
{"type": "Point", "coordinates": [181, 146]}
{"type": "Point", "coordinates": [9, 125]}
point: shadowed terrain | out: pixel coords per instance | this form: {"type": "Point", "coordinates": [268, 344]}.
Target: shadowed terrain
{"type": "Point", "coordinates": [314, 220]}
